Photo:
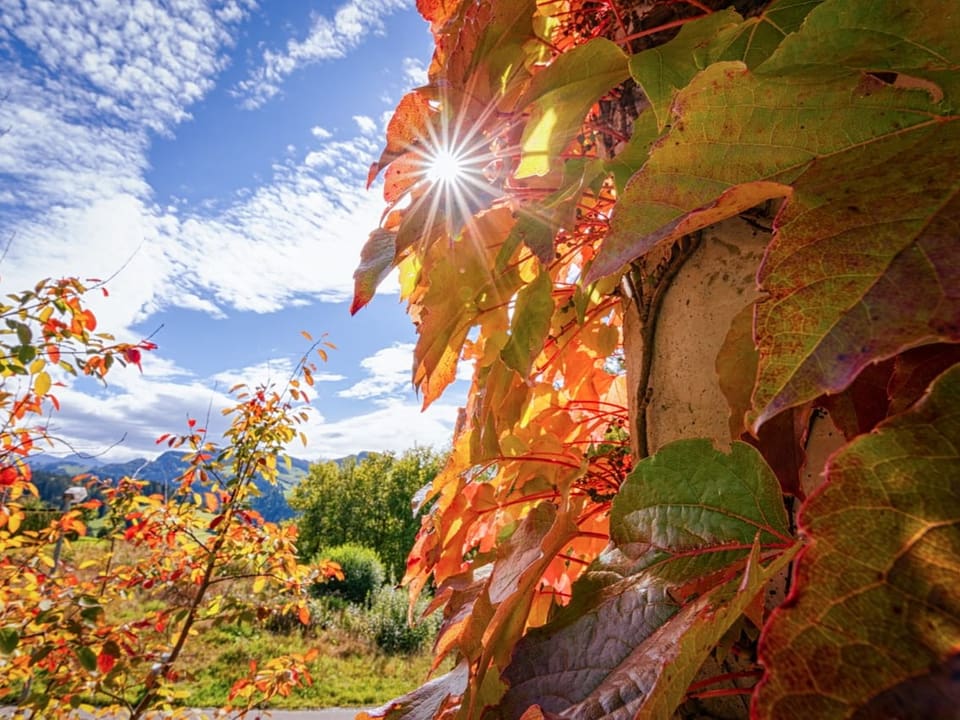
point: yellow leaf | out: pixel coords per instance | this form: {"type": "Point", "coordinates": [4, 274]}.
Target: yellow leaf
{"type": "Point", "coordinates": [259, 584]}
{"type": "Point", "coordinates": [306, 336]}
{"type": "Point", "coordinates": [41, 386]}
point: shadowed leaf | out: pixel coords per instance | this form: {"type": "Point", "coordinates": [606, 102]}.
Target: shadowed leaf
{"type": "Point", "coordinates": [689, 511]}
{"type": "Point", "coordinates": [424, 702]}
{"type": "Point", "coordinates": [876, 599]}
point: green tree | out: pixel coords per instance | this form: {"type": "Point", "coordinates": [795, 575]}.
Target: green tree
{"type": "Point", "coordinates": [365, 501]}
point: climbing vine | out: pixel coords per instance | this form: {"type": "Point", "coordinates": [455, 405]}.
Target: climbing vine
{"type": "Point", "coordinates": [586, 568]}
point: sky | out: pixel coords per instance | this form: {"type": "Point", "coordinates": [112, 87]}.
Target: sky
{"type": "Point", "coordinates": [210, 157]}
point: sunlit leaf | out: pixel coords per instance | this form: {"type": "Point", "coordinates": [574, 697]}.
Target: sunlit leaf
{"type": "Point", "coordinates": [530, 323]}
{"type": "Point", "coordinates": [561, 95]}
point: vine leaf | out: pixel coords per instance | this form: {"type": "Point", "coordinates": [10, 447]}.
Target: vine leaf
{"type": "Point", "coordinates": [561, 95]}
{"type": "Point", "coordinates": [691, 510]}
{"type": "Point", "coordinates": [691, 506]}
{"type": "Point", "coordinates": [736, 366]}
{"type": "Point", "coordinates": [376, 261]}
{"type": "Point", "coordinates": [425, 702]}
{"type": "Point", "coordinates": [663, 70]}
{"type": "Point", "coordinates": [461, 288]}
{"type": "Point", "coordinates": [877, 591]}
{"type": "Point", "coordinates": [756, 38]}
{"type": "Point", "coordinates": [530, 324]}
{"type": "Point", "coordinates": [883, 226]}
{"type": "Point", "coordinates": [916, 44]}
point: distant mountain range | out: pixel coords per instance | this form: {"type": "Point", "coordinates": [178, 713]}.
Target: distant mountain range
{"type": "Point", "coordinates": [53, 473]}
{"type": "Point", "coordinates": [162, 469]}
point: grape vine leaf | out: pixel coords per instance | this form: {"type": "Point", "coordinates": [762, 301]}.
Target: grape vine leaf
{"type": "Point", "coordinates": [756, 38]}
{"type": "Point", "coordinates": [836, 144]}
{"type": "Point", "coordinates": [561, 95]}
{"type": "Point", "coordinates": [876, 599]}
{"type": "Point", "coordinates": [884, 227]}
{"type": "Point", "coordinates": [663, 70]}
{"type": "Point", "coordinates": [376, 260]}
{"type": "Point", "coordinates": [688, 505]}
{"type": "Point", "coordinates": [426, 701]}
{"type": "Point", "coordinates": [691, 510]}
{"type": "Point", "coordinates": [530, 324]}
{"type": "Point", "coordinates": [461, 287]}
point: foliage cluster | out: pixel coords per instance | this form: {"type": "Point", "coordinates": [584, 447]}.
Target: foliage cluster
{"type": "Point", "coordinates": [390, 623]}
{"type": "Point", "coordinates": [601, 146]}
{"type": "Point", "coordinates": [363, 574]}
{"type": "Point", "coordinates": [62, 645]}
{"type": "Point", "coordinates": [365, 501]}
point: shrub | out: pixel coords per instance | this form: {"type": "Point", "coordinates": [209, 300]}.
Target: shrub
{"type": "Point", "coordinates": [388, 625]}
{"type": "Point", "coordinates": [363, 573]}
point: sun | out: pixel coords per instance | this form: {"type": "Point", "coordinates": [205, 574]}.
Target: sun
{"type": "Point", "coordinates": [446, 167]}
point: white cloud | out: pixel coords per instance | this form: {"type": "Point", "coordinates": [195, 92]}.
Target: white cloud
{"type": "Point", "coordinates": [367, 125]}
{"type": "Point", "coordinates": [144, 62]}
{"type": "Point", "coordinates": [389, 371]}
{"type": "Point", "coordinates": [397, 425]}
{"type": "Point", "coordinates": [414, 71]}
{"type": "Point", "coordinates": [329, 38]}
{"type": "Point", "coordinates": [74, 200]}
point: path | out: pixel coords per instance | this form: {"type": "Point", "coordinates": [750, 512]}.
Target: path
{"type": "Point", "coordinates": [322, 714]}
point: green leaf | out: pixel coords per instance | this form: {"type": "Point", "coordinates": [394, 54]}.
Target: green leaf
{"type": "Point", "coordinates": [690, 510]}
{"type": "Point", "coordinates": [917, 41]}
{"type": "Point", "coordinates": [23, 334]}
{"type": "Point", "coordinates": [876, 609]}
{"type": "Point", "coordinates": [561, 95]}
{"type": "Point", "coordinates": [756, 38]}
{"type": "Point", "coordinates": [26, 354]}
{"type": "Point", "coordinates": [9, 639]}
{"type": "Point", "coordinates": [530, 324]}
{"type": "Point", "coordinates": [663, 70]}
{"type": "Point", "coordinates": [87, 658]}
{"type": "Point", "coordinates": [687, 512]}
{"type": "Point", "coordinates": [631, 158]}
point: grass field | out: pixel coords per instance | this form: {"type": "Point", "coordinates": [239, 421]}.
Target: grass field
{"type": "Point", "coordinates": [350, 669]}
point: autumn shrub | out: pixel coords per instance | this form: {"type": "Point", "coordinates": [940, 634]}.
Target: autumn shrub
{"type": "Point", "coordinates": [107, 622]}
{"type": "Point", "coordinates": [389, 623]}
{"type": "Point", "coordinates": [363, 574]}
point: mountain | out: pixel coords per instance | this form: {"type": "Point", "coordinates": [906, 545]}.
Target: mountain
{"type": "Point", "coordinates": [160, 472]}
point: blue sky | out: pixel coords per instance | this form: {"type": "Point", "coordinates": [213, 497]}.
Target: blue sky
{"type": "Point", "coordinates": [213, 154]}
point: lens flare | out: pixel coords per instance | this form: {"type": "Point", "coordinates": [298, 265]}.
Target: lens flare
{"type": "Point", "coordinates": [446, 167]}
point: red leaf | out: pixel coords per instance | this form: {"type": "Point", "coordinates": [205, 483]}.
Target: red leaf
{"type": "Point", "coordinates": [105, 662]}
